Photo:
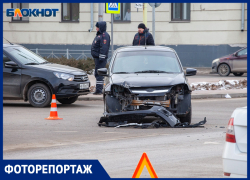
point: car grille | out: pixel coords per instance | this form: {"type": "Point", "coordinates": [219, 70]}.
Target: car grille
{"type": "Point", "coordinates": [80, 78]}
{"type": "Point", "coordinates": [148, 90]}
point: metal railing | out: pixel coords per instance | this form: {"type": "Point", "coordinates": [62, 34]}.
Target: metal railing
{"type": "Point", "coordinates": [54, 53]}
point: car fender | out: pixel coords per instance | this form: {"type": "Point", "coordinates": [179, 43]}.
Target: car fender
{"type": "Point", "coordinates": [186, 83]}
{"type": "Point", "coordinates": [33, 81]}
{"type": "Point", "coordinates": [184, 106]}
{"type": "Point", "coordinates": [107, 84]}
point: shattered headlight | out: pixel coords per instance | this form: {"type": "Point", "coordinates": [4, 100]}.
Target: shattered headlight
{"type": "Point", "coordinates": [64, 76]}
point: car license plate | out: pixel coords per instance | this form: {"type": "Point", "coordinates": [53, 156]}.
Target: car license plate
{"type": "Point", "coordinates": [84, 86]}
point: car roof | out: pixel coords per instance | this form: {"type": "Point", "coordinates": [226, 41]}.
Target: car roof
{"type": "Point", "coordinates": [148, 48]}
{"type": "Point", "coordinates": [9, 45]}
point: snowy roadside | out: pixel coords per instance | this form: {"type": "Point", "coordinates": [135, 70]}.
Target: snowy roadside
{"type": "Point", "coordinates": [221, 85]}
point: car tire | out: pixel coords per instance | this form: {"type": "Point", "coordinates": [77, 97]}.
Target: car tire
{"type": "Point", "coordinates": [188, 117]}
{"type": "Point", "coordinates": [238, 74]}
{"type": "Point", "coordinates": [70, 100]}
{"type": "Point", "coordinates": [224, 70]}
{"type": "Point", "coordinates": [39, 95]}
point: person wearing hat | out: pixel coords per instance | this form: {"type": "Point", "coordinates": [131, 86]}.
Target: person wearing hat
{"type": "Point", "coordinates": [143, 34]}
{"type": "Point", "coordinates": [99, 51]}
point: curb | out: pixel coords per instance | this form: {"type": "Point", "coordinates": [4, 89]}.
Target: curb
{"type": "Point", "coordinates": [195, 96]}
{"type": "Point", "coordinates": [207, 96]}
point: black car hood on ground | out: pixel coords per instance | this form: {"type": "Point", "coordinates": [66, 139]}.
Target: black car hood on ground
{"type": "Point", "coordinates": [60, 68]}
{"type": "Point", "coordinates": [148, 79]}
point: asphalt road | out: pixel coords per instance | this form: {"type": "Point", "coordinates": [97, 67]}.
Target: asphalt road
{"type": "Point", "coordinates": [174, 153]}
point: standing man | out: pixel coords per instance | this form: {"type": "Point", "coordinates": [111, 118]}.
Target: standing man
{"type": "Point", "coordinates": [143, 34]}
{"type": "Point", "coordinates": [127, 15]}
{"type": "Point", "coordinates": [99, 51]}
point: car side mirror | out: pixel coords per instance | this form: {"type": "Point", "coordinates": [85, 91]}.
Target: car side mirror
{"type": "Point", "coordinates": [102, 72]}
{"type": "Point", "coordinates": [235, 54]}
{"type": "Point", "coordinates": [191, 72]}
{"type": "Point", "coordinates": [10, 64]}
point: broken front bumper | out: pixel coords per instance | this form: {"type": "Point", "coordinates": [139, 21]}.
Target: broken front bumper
{"type": "Point", "coordinates": [132, 118]}
{"type": "Point", "coordinates": [114, 119]}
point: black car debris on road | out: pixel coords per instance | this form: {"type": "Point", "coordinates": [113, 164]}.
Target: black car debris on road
{"type": "Point", "coordinates": [28, 76]}
{"type": "Point", "coordinates": [144, 82]}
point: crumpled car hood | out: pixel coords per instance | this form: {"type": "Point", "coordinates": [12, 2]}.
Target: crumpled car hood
{"type": "Point", "coordinates": [148, 79]}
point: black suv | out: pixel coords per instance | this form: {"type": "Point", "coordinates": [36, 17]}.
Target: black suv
{"type": "Point", "coordinates": [28, 76]}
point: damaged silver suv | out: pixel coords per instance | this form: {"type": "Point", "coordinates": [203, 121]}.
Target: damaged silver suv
{"type": "Point", "coordinates": [146, 81]}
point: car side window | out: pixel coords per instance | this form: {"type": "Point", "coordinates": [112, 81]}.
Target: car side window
{"type": "Point", "coordinates": [5, 59]}
{"type": "Point", "coordinates": [243, 52]}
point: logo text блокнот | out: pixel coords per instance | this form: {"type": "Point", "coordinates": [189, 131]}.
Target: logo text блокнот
{"type": "Point", "coordinates": [31, 12]}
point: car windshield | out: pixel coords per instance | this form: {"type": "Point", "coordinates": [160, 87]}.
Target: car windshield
{"type": "Point", "coordinates": [25, 56]}
{"type": "Point", "coordinates": [146, 62]}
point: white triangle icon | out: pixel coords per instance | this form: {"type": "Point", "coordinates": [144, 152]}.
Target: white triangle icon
{"type": "Point", "coordinates": [113, 5]}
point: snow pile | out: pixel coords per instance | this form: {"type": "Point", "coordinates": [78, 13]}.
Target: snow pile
{"type": "Point", "coordinates": [221, 85]}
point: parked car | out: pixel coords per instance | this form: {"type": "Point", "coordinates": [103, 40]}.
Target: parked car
{"type": "Point", "coordinates": [28, 76]}
{"type": "Point", "coordinates": [235, 150]}
{"type": "Point", "coordinates": [235, 63]}
{"type": "Point", "coordinates": [140, 79]}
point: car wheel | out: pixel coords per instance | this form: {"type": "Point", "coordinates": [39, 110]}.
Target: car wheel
{"type": "Point", "coordinates": [68, 100]}
{"type": "Point", "coordinates": [188, 117]}
{"type": "Point", "coordinates": [39, 95]}
{"type": "Point", "coordinates": [238, 74]}
{"type": "Point", "coordinates": [224, 70]}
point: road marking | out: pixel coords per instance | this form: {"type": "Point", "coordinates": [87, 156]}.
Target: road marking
{"type": "Point", "coordinates": [211, 143]}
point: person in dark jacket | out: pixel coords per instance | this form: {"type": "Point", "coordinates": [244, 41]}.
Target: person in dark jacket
{"type": "Point", "coordinates": [99, 51]}
{"type": "Point", "coordinates": [139, 38]}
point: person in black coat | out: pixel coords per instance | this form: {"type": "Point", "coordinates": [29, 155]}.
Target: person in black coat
{"type": "Point", "coordinates": [99, 51]}
{"type": "Point", "coordinates": [143, 34]}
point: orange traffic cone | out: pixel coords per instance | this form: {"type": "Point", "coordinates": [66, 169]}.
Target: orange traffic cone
{"type": "Point", "coordinates": [53, 110]}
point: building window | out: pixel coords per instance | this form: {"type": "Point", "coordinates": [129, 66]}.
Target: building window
{"type": "Point", "coordinates": [180, 11]}
{"type": "Point", "coordinates": [125, 14]}
{"type": "Point", "coordinates": [20, 6]}
{"type": "Point", "coordinates": [70, 12]}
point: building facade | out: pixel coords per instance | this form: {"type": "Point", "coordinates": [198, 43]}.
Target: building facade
{"type": "Point", "coordinates": [199, 32]}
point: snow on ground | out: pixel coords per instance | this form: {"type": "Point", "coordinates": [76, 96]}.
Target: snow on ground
{"type": "Point", "coordinates": [221, 85]}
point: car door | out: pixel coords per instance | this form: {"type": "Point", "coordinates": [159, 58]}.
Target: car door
{"type": "Point", "coordinates": [11, 79]}
{"type": "Point", "coordinates": [240, 61]}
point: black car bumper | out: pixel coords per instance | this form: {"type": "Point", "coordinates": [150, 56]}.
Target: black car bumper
{"type": "Point", "coordinates": [71, 89]}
